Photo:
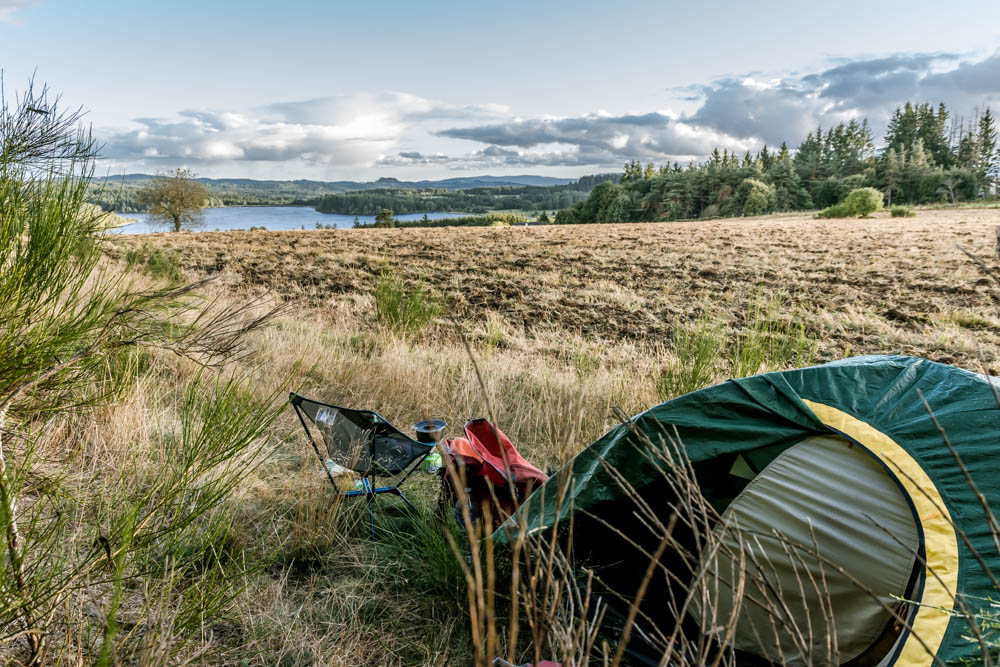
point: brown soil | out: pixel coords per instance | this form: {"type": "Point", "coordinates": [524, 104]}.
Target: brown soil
{"type": "Point", "coordinates": [860, 286]}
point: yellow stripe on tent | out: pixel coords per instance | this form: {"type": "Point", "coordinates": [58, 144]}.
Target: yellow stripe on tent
{"type": "Point", "coordinates": [940, 541]}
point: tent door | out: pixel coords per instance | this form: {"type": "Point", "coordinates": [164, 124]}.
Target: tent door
{"type": "Point", "coordinates": [824, 491]}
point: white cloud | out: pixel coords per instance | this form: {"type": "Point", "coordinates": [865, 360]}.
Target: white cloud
{"type": "Point", "coordinates": [601, 139]}
{"type": "Point", "coordinates": [345, 131]}
{"type": "Point", "coordinates": [9, 7]}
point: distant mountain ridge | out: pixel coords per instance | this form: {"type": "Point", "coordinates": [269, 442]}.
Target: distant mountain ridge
{"type": "Point", "coordinates": [459, 183]}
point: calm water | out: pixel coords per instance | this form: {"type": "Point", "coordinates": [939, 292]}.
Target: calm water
{"type": "Point", "coordinates": [269, 217]}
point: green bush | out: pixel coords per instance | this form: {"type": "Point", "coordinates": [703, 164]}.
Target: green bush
{"type": "Point", "coordinates": [835, 211]}
{"type": "Point", "coordinates": [756, 197]}
{"type": "Point", "coordinates": [901, 212]}
{"type": "Point", "coordinates": [858, 204]}
{"type": "Point", "coordinates": [863, 202]}
{"type": "Point", "coordinates": [834, 190]}
{"type": "Point", "coordinates": [155, 262]}
{"type": "Point", "coordinates": [402, 309]}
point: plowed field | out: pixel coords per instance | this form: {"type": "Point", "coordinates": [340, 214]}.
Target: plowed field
{"type": "Point", "coordinates": [859, 286]}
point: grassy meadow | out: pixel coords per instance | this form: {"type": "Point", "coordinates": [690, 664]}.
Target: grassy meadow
{"type": "Point", "coordinates": [545, 329]}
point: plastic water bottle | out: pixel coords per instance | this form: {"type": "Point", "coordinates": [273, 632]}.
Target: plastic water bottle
{"type": "Point", "coordinates": [432, 463]}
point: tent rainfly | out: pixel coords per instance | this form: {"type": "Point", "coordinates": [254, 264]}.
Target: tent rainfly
{"type": "Point", "coordinates": [843, 460]}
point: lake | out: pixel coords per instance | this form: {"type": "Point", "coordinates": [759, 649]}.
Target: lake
{"type": "Point", "coordinates": [269, 217]}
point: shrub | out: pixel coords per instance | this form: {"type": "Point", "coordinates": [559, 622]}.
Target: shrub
{"type": "Point", "coordinates": [834, 190]}
{"type": "Point", "coordinates": [756, 197]}
{"type": "Point", "coordinates": [901, 212]}
{"type": "Point", "coordinates": [859, 204]}
{"type": "Point", "coordinates": [402, 309]}
{"type": "Point", "coordinates": [835, 211]}
{"type": "Point", "coordinates": [711, 211]}
{"type": "Point", "coordinates": [155, 262]}
{"type": "Point", "coordinates": [863, 202]}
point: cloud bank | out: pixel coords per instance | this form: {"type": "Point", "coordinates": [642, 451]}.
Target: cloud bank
{"type": "Point", "coordinates": [342, 131]}
{"type": "Point", "coordinates": [737, 113]}
{"type": "Point", "coordinates": [744, 113]}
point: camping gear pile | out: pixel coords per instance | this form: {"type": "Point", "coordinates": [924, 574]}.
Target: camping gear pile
{"type": "Point", "coordinates": [854, 496]}
{"type": "Point", "coordinates": [486, 474]}
{"type": "Point", "coordinates": [484, 471]}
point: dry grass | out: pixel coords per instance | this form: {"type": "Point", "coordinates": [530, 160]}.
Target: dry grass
{"type": "Point", "coordinates": [562, 320]}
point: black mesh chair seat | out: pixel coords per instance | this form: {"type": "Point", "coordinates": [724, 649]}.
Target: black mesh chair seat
{"type": "Point", "coordinates": [362, 441]}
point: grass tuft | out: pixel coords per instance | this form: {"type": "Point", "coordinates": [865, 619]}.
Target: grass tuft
{"type": "Point", "coordinates": [769, 342]}
{"type": "Point", "coordinates": [402, 309]}
{"type": "Point", "coordinates": [698, 352]}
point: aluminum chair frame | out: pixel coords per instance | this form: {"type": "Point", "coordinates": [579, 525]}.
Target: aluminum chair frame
{"type": "Point", "coordinates": [369, 490]}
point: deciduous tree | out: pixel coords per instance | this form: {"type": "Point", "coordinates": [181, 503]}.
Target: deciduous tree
{"type": "Point", "coordinates": [175, 200]}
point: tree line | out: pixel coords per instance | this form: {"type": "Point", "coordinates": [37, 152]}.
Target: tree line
{"type": "Point", "coordinates": [928, 156]}
{"type": "Point", "coordinates": [471, 200]}
{"type": "Point", "coordinates": [385, 219]}
{"type": "Point", "coordinates": [126, 196]}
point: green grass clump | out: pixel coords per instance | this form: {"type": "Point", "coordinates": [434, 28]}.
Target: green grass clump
{"type": "Point", "coordinates": [769, 343]}
{"type": "Point", "coordinates": [706, 353]}
{"type": "Point", "coordinates": [698, 352]}
{"type": "Point", "coordinates": [155, 262]}
{"type": "Point", "coordinates": [414, 546]}
{"type": "Point", "coordinates": [901, 212]}
{"type": "Point", "coordinates": [404, 309]}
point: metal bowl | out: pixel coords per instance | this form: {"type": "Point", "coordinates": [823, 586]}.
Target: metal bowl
{"type": "Point", "coordinates": [430, 430]}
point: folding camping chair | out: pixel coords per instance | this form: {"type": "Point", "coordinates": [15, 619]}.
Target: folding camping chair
{"type": "Point", "coordinates": [362, 441]}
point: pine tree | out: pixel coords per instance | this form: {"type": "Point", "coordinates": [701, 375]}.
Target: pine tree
{"type": "Point", "coordinates": [765, 159]}
{"type": "Point", "coordinates": [808, 157]}
{"type": "Point", "coordinates": [893, 165]}
{"type": "Point", "coordinates": [989, 159]}
{"type": "Point", "coordinates": [967, 154]}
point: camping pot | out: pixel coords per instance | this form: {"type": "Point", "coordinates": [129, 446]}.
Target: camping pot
{"type": "Point", "coordinates": [430, 430]}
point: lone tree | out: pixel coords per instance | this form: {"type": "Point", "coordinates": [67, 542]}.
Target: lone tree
{"type": "Point", "coordinates": [175, 200]}
{"type": "Point", "coordinates": [384, 218]}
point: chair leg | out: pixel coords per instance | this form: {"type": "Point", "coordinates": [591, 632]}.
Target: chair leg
{"type": "Point", "coordinates": [371, 506]}
{"type": "Point", "coordinates": [408, 503]}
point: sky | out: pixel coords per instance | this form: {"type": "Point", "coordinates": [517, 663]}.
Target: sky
{"type": "Point", "coordinates": [330, 90]}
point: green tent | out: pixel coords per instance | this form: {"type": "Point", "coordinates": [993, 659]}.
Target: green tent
{"type": "Point", "coordinates": [845, 456]}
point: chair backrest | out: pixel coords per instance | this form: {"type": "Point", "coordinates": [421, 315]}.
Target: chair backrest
{"type": "Point", "coordinates": [361, 440]}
